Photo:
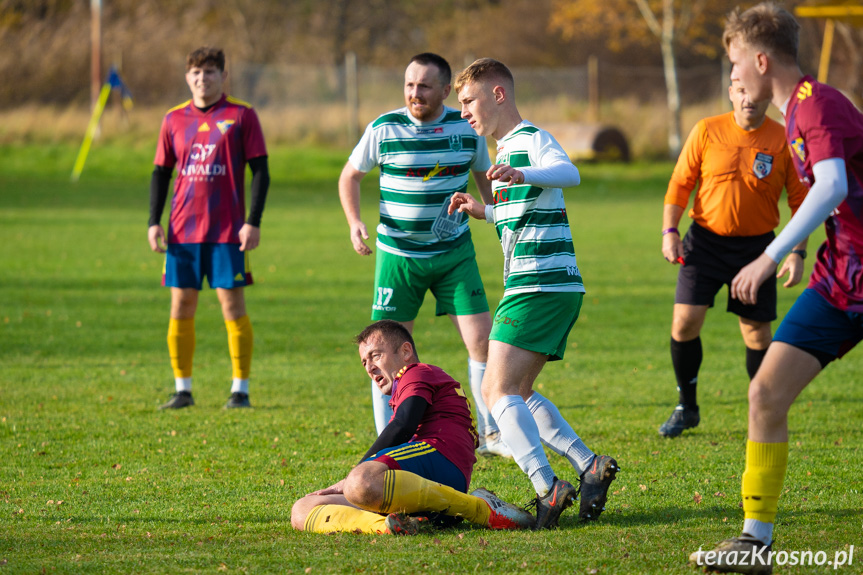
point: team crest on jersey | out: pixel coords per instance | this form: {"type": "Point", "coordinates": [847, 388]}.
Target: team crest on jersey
{"type": "Point", "coordinates": [799, 148]}
{"type": "Point", "coordinates": [224, 125]}
{"type": "Point", "coordinates": [455, 142]}
{"type": "Point", "coordinates": [762, 166]}
{"type": "Point", "coordinates": [805, 91]}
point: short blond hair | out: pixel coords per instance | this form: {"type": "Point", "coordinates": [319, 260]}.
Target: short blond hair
{"type": "Point", "coordinates": [768, 27]}
{"type": "Point", "coordinates": [483, 70]}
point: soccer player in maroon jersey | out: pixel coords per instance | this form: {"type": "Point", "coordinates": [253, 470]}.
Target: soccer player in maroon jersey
{"type": "Point", "coordinates": [209, 139]}
{"type": "Point", "coordinates": [422, 460]}
{"type": "Point", "coordinates": [825, 132]}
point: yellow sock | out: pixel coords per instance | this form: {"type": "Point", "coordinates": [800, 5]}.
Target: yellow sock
{"type": "Point", "coordinates": [181, 345]}
{"type": "Point", "coordinates": [341, 518]}
{"type": "Point", "coordinates": [240, 339]}
{"type": "Point", "coordinates": [406, 492]}
{"type": "Point", "coordinates": [762, 481]}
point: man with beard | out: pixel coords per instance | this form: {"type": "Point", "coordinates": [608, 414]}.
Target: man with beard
{"type": "Point", "coordinates": [425, 152]}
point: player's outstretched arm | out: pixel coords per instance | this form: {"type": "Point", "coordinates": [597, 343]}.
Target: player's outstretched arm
{"type": "Point", "coordinates": [349, 195]}
{"type": "Point", "coordinates": [156, 237]}
{"type": "Point", "coordinates": [466, 204]}
{"type": "Point", "coordinates": [250, 237]}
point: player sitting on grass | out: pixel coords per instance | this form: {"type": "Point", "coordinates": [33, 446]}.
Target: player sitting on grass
{"type": "Point", "coordinates": [422, 460]}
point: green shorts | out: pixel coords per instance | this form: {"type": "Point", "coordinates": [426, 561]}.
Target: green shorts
{"type": "Point", "coordinates": [453, 277]}
{"type": "Point", "coordinates": [537, 321]}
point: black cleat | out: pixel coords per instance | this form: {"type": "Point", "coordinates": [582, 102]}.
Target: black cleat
{"type": "Point", "coordinates": [682, 417]}
{"type": "Point", "coordinates": [594, 485]}
{"type": "Point", "coordinates": [179, 400]}
{"type": "Point", "coordinates": [744, 554]}
{"type": "Point", "coordinates": [548, 508]}
{"type": "Point", "coordinates": [238, 399]}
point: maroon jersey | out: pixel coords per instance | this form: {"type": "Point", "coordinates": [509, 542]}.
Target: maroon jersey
{"type": "Point", "coordinates": [447, 424]}
{"type": "Point", "coordinates": [820, 124]}
{"type": "Point", "coordinates": [210, 150]}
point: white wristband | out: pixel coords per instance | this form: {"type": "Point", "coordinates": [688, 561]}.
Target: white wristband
{"type": "Point", "coordinates": [489, 213]}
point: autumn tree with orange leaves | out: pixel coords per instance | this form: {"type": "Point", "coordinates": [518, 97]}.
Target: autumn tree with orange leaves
{"type": "Point", "coordinates": [694, 25]}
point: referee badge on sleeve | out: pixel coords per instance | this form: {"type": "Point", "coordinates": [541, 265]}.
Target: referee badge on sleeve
{"type": "Point", "coordinates": [762, 166]}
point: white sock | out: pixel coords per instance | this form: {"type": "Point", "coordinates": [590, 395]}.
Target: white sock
{"type": "Point", "coordinates": [240, 386]}
{"type": "Point", "coordinates": [381, 407]}
{"type": "Point", "coordinates": [183, 384]}
{"type": "Point", "coordinates": [518, 430]}
{"type": "Point", "coordinates": [485, 423]}
{"type": "Point", "coordinates": [558, 434]}
{"type": "Point", "coordinates": [759, 529]}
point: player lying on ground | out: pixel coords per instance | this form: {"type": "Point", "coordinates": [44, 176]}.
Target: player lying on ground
{"type": "Point", "coordinates": [420, 463]}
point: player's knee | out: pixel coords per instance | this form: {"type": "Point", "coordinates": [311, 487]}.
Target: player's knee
{"type": "Point", "coordinates": [762, 402]}
{"type": "Point", "coordinates": [362, 487]}
{"type": "Point", "coordinates": [299, 512]}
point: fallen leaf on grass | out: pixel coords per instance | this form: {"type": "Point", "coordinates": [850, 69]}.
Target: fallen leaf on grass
{"type": "Point", "coordinates": [482, 542]}
{"type": "Point", "coordinates": [436, 541]}
{"type": "Point", "coordinates": [116, 466]}
{"type": "Point", "coordinates": [719, 494]}
{"type": "Point", "coordinates": [643, 487]}
{"type": "Point", "coordinates": [697, 498]}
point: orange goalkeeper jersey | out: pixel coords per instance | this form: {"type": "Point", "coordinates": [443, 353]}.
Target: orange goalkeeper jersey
{"type": "Point", "coordinates": [740, 176]}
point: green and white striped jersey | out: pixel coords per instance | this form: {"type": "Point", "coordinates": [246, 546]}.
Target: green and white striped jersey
{"type": "Point", "coordinates": [531, 220]}
{"type": "Point", "coordinates": [422, 164]}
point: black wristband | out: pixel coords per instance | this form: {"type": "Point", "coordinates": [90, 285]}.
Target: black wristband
{"type": "Point", "coordinates": [801, 253]}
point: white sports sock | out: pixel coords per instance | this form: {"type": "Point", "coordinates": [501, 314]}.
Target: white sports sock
{"type": "Point", "coordinates": [558, 434]}
{"type": "Point", "coordinates": [759, 529]}
{"type": "Point", "coordinates": [240, 386]}
{"type": "Point", "coordinates": [518, 430]}
{"type": "Point", "coordinates": [382, 409]}
{"type": "Point", "coordinates": [485, 423]}
{"type": "Point", "coordinates": [183, 384]}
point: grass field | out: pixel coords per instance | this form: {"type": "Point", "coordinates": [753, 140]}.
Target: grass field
{"type": "Point", "coordinates": [95, 480]}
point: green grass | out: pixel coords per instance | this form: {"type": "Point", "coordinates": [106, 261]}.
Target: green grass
{"type": "Point", "coordinates": [95, 480]}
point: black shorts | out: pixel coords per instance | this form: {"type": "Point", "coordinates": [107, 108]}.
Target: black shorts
{"type": "Point", "coordinates": [712, 261]}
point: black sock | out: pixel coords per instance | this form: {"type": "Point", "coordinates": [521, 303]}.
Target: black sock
{"type": "Point", "coordinates": [686, 359]}
{"type": "Point", "coordinates": [754, 357]}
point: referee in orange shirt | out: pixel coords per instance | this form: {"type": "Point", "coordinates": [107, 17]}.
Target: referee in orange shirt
{"type": "Point", "coordinates": [740, 162]}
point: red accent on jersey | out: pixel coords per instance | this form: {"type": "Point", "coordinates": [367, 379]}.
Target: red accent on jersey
{"type": "Point", "coordinates": [210, 150]}
{"type": "Point", "coordinates": [446, 424]}
{"type": "Point", "coordinates": [821, 123]}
